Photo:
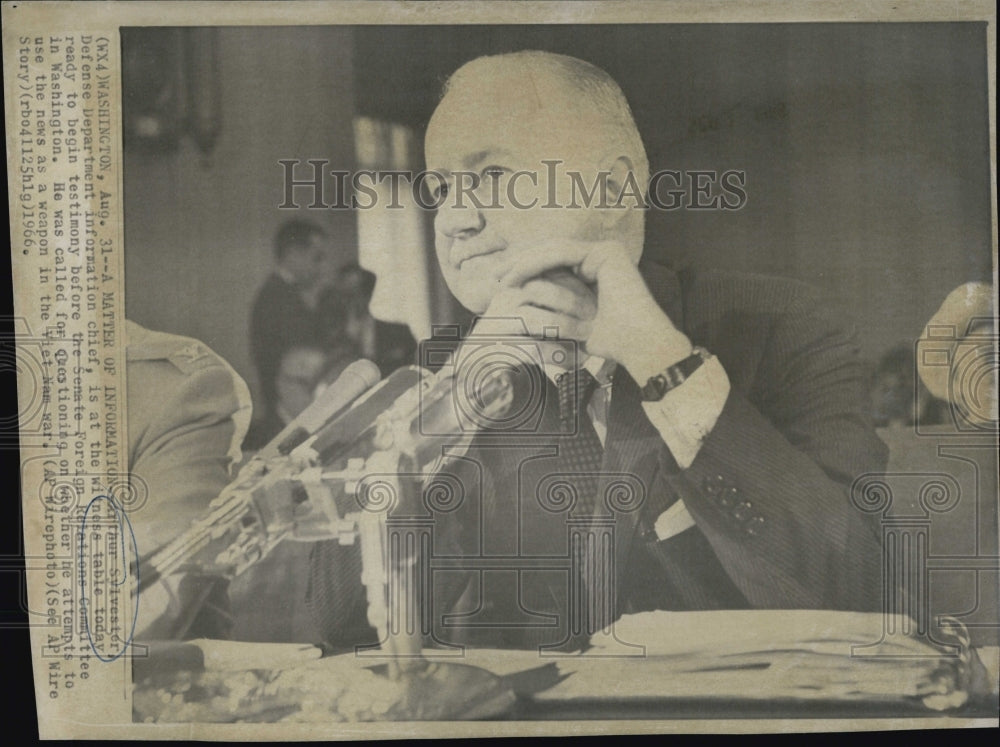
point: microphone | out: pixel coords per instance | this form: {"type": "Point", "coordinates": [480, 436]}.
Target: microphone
{"type": "Point", "coordinates": [355, 380]}
{"type": "Point", "coordinates": [349, 425]}
{"type": "Point", "coordinates": [429, 403]}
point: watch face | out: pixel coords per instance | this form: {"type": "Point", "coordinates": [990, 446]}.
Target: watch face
{"type": "Point", "coordinates": [655, 388]}
{"type": "Point", "coordinates": [672, 377]}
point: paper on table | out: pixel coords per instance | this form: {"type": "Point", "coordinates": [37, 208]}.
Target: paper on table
{"type": "Point", "coordinates": [747, 655]}
{"type": "Point", "coordinates": [670, 633]}
{"type": "Point", "coordinates": [229, 655]}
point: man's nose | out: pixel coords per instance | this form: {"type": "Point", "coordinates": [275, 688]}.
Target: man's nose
{"type": "Point", "coordinates": [459, 221]}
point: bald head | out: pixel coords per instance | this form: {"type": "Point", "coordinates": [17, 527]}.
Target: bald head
{"type": "Point", "coordinates": [515, 136]}
{"type": "Point", "coordinates": [580, 95]}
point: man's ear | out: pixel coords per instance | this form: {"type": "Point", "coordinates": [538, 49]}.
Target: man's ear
{"type": "Point", "coordinates": [624, 192]}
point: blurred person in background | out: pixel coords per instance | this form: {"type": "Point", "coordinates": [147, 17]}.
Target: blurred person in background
{"type": "Point", "coordinates": [388, 345]}
{"type": "Point", "coordinates": [338, 358]}
{"type": "Point", "coordinates": [304, 372]}
{"type": "Point", "coordinates": [296, 306]}
{"type": "Point", "coordinates": [898, 397]}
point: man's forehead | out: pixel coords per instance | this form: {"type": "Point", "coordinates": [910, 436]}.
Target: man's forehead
{"type": "Point", "coordinates": [507, 83]}
{"type": "Point", "coordinates": [466, 115]}
{"type": "Point", "coordinates": [483, 114]}
{"type": "Point", "coordinates": [453, 147]}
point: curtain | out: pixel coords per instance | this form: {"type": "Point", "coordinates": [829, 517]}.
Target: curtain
{"type": "Point", "coordinates": [392, 228]}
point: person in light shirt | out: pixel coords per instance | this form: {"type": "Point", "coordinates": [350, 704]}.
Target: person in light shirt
{"type": "Point", "coordinates": [188, 412]}
{"type": "Point", "coordinates": [723, 417]}
{"type": "Point", "coordinates": [957, 361]}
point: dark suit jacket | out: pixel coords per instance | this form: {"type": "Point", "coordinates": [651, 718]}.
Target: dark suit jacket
{"type": "Point", "coordinates": [394, 347]}
{"type": "Point", "coordinates": [769, 490]}
{"type": "Point", "coordinates": [279, 320]}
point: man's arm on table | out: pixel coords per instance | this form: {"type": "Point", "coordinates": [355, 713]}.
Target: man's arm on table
{"type": "Point", "coordinates": [769, 485]}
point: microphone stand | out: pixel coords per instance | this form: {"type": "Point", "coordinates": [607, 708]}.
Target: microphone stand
{"type": "Point", "coordinates": [386, 447]}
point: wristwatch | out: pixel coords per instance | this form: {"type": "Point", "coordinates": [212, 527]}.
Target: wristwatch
{"type": "Point", "coordinates": [673, 376]}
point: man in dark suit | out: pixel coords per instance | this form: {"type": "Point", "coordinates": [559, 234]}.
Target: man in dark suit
{"type": "Point", "coordinates": [705, 456]}
{"type": "Point", "coordinates": [294, 307]}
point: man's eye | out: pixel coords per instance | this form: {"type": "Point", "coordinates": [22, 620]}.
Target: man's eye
{"type": "Point", "coordinates": [493, 172]}
{"type": "Point", "coordinates": [439, 190]}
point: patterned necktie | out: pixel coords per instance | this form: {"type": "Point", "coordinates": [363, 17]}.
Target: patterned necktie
{"type": "Point", "coordinates": [581, 451]}
{"type": "Point", "coordinates": [581, 454]}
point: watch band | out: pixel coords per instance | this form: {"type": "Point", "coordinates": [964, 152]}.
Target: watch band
{"type": "Point", "coordinates": [673, 376]}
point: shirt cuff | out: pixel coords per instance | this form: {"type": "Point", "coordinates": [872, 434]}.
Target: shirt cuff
{"type": "Point", "coordinates": [686, 415]}
{"type": "Point", "coordinates": [673, 521]}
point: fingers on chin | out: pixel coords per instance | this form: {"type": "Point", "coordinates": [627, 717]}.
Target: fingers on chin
{"type": "Point", "coordinates": [548, 324]}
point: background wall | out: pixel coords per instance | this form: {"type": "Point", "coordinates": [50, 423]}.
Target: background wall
{"type": "Point", "coordinates": [198, 231]}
